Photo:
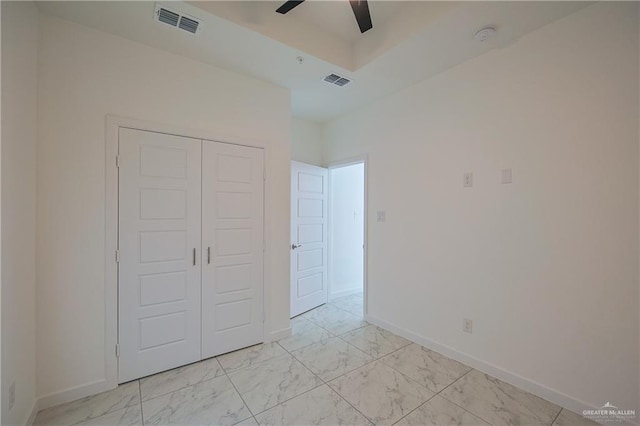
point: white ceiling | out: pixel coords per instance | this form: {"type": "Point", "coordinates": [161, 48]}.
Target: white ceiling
{"type": "Point", "coordinates": [410, 41]}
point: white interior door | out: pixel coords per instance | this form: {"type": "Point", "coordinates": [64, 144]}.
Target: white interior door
{"type": "Point", "coordinates": [309, 188]}
{"type": "Point", "coordinates": [159, 244]}
{"type": "Point", "coordinates": [232, 275]}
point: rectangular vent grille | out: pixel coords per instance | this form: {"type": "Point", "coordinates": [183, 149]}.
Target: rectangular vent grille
{"type": "Point", "coordinates": [168, 17]}
{"type": "Point", "coordinates": [188, 24]}
{"type": "Point", "coordinates": [337, 80]}
{"type": "Point", "coordinates": [176, 19]}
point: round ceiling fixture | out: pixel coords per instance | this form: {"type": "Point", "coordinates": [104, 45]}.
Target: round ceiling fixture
{"type": "Point", "coordinates": [483, 34]}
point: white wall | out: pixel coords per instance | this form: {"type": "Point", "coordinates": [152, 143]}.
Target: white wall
{"type": "Point", "coordinates": [347, 230]}
{"type": "Point", "coordinates": [83, 76]}
{"type": "Point", "coordinates": [547, 267]}
{"type": "Point", "coordinates": [19, 108]}
{"type": "Point", "coordinates": [306, 141]}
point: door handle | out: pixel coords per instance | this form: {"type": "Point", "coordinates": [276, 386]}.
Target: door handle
{"type": "Point", "coordinates": [295, 246]}
{"type": "Point", "coordinates": [208, 255]}
{"type": "Point", "coordinates": [194, 256]}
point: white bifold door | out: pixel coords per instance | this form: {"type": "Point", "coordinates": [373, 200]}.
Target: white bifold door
{"type": "Point", "coordinates": [309, 189]}
{"type": "Point", "coordinates": [232, 224]}
{"type": "Point", "coordinates": [190, 250]}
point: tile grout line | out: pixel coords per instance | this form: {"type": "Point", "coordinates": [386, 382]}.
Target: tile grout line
{"type": "Point", "coordinates": [436, 394]}
{"type": "Point", "coordinates": [180, 388]}
{"type": "Point", "coordinates": [302, 363]}
{"type": "Point", "coordinates": [373, 359]}
{"type": "Point", "coordinates": [326, 383]}
{"type": "Point", "coordinates": [338, 334]}
{"type": "Point", "coordinates": [556, 417]}
{"type": "Point", "coordinates": [458, 405]}
{"type": "Point", "coordinates": [237, 391]}
{"type": "Point", "coordinates": [295, 396]}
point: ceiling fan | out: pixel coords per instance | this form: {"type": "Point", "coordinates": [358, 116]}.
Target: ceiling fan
{"type": "Point", "coordinates": [360, 10]}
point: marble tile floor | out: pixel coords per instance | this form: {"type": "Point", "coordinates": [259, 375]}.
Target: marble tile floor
{"type": "Point", "coordinates": [335, 369]}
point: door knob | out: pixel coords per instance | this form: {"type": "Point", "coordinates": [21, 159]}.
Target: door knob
{"type": "Point", "coordinates": [295, 246]}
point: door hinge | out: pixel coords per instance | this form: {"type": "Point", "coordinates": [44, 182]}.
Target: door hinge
{"type": "Point", "coordinates": [264, 316]}
{"type": "Point", "coordinates": [117, 256]}
{"type": "Point", "coordinates": [117, 351]}
{"type": "Point", "coordinates": [118, 161]}
{"type": "Point", "coordinates": [264, 246]}
{"type": "Point", "coordinates": [264, 174]}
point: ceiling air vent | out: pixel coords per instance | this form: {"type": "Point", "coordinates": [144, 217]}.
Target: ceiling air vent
{"type": "Point", "coordinates": [337, 80]}
{"type": "Point", "coordinates": [188, 24]}
{"type": "Point", "coordinates": [168, 17]}
{"type": "Point", "coordinates": [176, 19]}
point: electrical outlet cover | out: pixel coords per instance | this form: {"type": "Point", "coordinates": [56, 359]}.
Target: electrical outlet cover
{"type": "Point", "coordinates": [467, 325]}
{"type": "Point", "coordinates": [467, 180]}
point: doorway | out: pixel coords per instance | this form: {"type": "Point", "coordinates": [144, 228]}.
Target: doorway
{"type": "Point", "coordinates": [328, 241]}
{"type": "Point", "coordinates": [346, 238]}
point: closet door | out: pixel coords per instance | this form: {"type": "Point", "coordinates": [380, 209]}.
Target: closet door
{"type": "Point", "coordinates": [232, 243]}
{"type": "Point", "coordinates": [159, 243]}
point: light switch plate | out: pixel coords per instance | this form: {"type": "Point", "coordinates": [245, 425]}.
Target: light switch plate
{"type": "Point", "coordinates": [382, 216]}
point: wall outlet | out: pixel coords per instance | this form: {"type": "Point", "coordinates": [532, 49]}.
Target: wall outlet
{"type": "Point", "coordinates": [467, 325]}
{"type": "Point", "coordinates": [467, 180]}
{"type": "Point", "coordinates": [12, 394]}
{"type": "Point", "coordinates": [382, 216]}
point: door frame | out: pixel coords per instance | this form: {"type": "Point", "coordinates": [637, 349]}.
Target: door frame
{"type": "Point", "coordinates": [112, 125]}
{"type": "Point", "coordinates": [349, 161]}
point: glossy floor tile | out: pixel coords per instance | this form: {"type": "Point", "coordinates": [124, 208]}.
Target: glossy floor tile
{"type": "Point", "coordinates": [374, 340]}
{"type": "Point", "coordinates": [214, 402]}
{"type": "Point", "coordinates": [130, 416]}
{"type": "Point", "coordinates": [303, 333]}
{"type": "Point", "coordinates": [335, 369]}
{"type": "Point", "coordinates": [320, 406]}
{"type": "Point", "coordinates": [429, 368]}
{"type": "Point", "coordinates": [249, 356]}
{"type": "Point", "coordinates": [499, 403]}
{"type": "Point", "coordinates": [331, 358]}
{"type": "Point", "coordinates": [81, 410]}
{"type": "Point", "coordinates": [173, 380]}
{"type": "Point", "coordinates": [334, 320]}
{"type": "Point", "coordinates": [268, 383]}
{"type": "Point", "coordinates": [381, 393]}
{"type": "Point", "coordinates": [354, 304]}
{"type": "Point", "coordinates": [438, 412]}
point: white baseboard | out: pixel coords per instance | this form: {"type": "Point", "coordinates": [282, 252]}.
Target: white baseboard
{"type": "Point", "coordinates": [347, 292]}
{"type": "Point", "coordinates": [73, 393]}
{"type": "Point", "coordinates": [559, 398]}
{"type": "Point", "coordinates": [278, 334]}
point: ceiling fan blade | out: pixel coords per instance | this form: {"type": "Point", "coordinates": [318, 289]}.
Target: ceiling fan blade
{"type": "Point", "coordinates": [361, 10]}
{"type": "Point", "coordinates": [288, 5]}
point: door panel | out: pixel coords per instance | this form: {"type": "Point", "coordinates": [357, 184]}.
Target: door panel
{"type": "Point", "coordinates": [309, 237]}
{"type": "Point", "coordinates": [159, 226]}
{"type": "Point", "coordinates": [232, 247]}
